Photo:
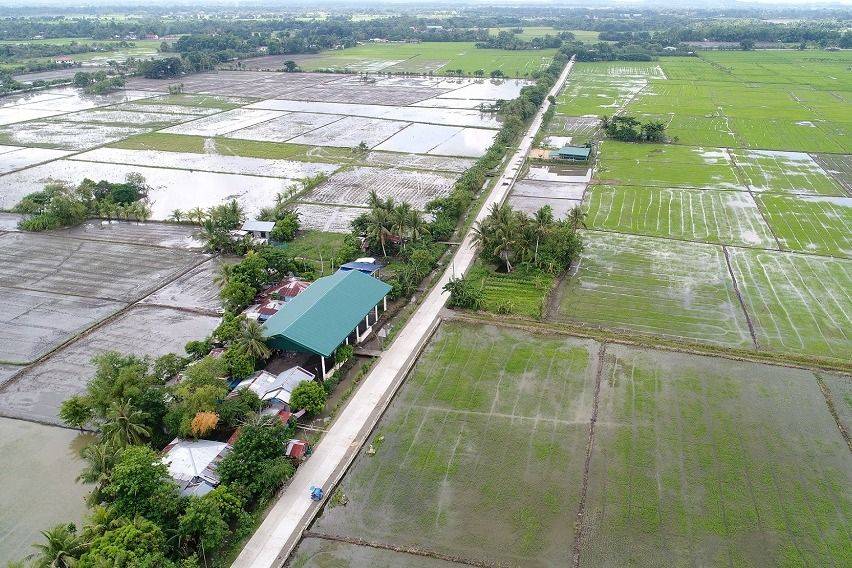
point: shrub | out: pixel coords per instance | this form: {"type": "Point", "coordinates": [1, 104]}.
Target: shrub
{"type": "Point", "coordinates": [310, 396]}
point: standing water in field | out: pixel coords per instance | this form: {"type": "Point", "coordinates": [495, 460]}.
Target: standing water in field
{"type": "Point", "coordinates": [44, 469]}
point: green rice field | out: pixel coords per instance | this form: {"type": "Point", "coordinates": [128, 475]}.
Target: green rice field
{"type": "Point", "coordinates": [666, 165]}
{"type": "Point", "coordinates": [798, 303]}
{"type": "Point", "coordinates": [725, 217]}
{"type": "Point", "coordinates": [817, 225]}
{"type": "Point", "coordinates": [695, 461]}
{"type": "Point", "coordinates": [426, 57]}
{"type": "Point", "coordinates": [700, 461]}
{"type": "Point", "coordinates": [481, 453]}
{"type": "Point", "coordinates": [779, 100]}
{"type": "Point", "coordinates": [674, 289]}
{"type": "Point", "coordinates": [522, 292]}
{"type": "Point", "coordinates": [785, 172]}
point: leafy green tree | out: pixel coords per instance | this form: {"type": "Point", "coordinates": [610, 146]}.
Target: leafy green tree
{"type": "Point", "coordinates": [76, 412]}
{"type": "Point", "coordinates": [230, 328]}
{"type": "Point", "coordinates": [198, 348]}
{"type": "Point", "coordinates": [240, 364]}
{"type": "Point", "coordinates": [252, 342]}
{"type": "Point", "coordinates": [234, 410]}
{"type": "Point", "coordinates": [237, 295]}
{"type": "Point", "coordinates": [61, 549]}
{"type": "Point", "coordinates": [208, 520]}
{"type": "Point", "coordinates": [125, 426]}
{"type": "Point", "coordinates": [140, 485]}
{"type": "Point", "coordinates": [168, 365]}
{"type": "Point", "coordinates": [251, 270]}
{"type": "Point", "coordinates": [136, 544]}
{"type": "Point", "coordinates": [257, 465]}
{"type": "Point", "coordinates": [308, 395]}
{"type": "Point", "coordinates": [285, 228]}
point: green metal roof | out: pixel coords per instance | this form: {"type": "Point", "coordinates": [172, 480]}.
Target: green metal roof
{"type": "Point", "coordinates": [576, 152]}
{"type": "Point", "coordinates": [320, 318]}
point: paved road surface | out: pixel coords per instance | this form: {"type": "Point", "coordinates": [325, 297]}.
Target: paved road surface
{"type": "Point", "coordinates": [291, 514]}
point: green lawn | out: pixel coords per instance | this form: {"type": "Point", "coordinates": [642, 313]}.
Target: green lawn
{"type": "Point", "coordinates": [318, 247]}
{"type": "Point", "coordinates": [706, 215]}
{"type": "Point", "coordinates": [668, 288]}
{"type": "Point", "coordinates": [482, 450]}
{"type": "Point", "coordinates": [437, 57]}
{"type": "Point", "coordinates": [702, 461]}
{"type": "Point", "coordinates": [798, 303]}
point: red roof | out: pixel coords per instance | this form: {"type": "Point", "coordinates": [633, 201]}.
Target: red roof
{"type": "Point", "coordinates": [286, 289]}
{"type": "Point", "coordinates": [296, 448]}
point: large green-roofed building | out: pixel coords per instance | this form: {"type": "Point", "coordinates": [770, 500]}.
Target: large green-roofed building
{"type": "Point", "coordinates": [326, 313]}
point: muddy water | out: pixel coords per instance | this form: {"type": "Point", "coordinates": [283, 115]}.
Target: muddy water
{"type": "Point", "coordinates": [38, 467]}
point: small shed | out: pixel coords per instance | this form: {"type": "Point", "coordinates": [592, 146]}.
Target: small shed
{"type": "Point", "coordinates": [368, 268]}
{"type": "Point", "coordinates": [572, 153]}
{"type": "Point", "coordinates": [297, 449]}
{"type": "Point", "coordinates": [258, 229]}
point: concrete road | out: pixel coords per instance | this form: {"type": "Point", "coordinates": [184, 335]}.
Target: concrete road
{"type": "Point", "coordinates": [289, 517]}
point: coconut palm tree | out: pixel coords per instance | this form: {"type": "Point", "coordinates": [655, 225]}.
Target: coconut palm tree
{"type": "Point", "coordinates": [542, 219]}
{"type": "Point", "coordinates": [400, 220]}
{"type": "Point", "coordinates": [577, 218]}
{"type": "Point", "coordinates": [251, 340]}
{"type": "Point", "coordinates": [223, 274]}
{"type": "Point", "coordinates": [377, 227]}
{"type": "Point", "coordinates": [100, 459]}
{"type": "Point", "coordinates": [176, 216]}
{"type": "Point", "coordinates": [417, 226]}
{"type": "Point", "coordinates": [125, 426]}
{"type": "Point", "coordinates": [62, 549]}
{"type": "Point", "coordinates": [499, 234]}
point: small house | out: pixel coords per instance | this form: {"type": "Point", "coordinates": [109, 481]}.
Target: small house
{"type": "Point", "coordinates": [192, 464]}
{"type": "Point", "coordinates": [258, 229]}
{"type": "Point", "coordinates": [269, 387]}
{"type": "Point", "coordinates": [571, 154]}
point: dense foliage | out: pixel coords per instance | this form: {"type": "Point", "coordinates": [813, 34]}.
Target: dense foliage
{"type": "Point", "coordinates": [60, 204]}
{"type": "Point", "coordinates": [630, 129]}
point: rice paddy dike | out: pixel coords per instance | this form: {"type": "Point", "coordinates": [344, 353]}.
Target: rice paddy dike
{"type": "Point", "coordinates": [681, 396]}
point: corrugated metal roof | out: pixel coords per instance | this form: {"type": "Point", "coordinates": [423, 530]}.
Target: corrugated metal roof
{"type": "Point", "coordinates": [578, 152]}
{"type": "Point", "coordinates": [320, 318]}
{"type": "Point", "coordinates": [365, 267]}
{"type": "Point", "coordinates": [253, 225]}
